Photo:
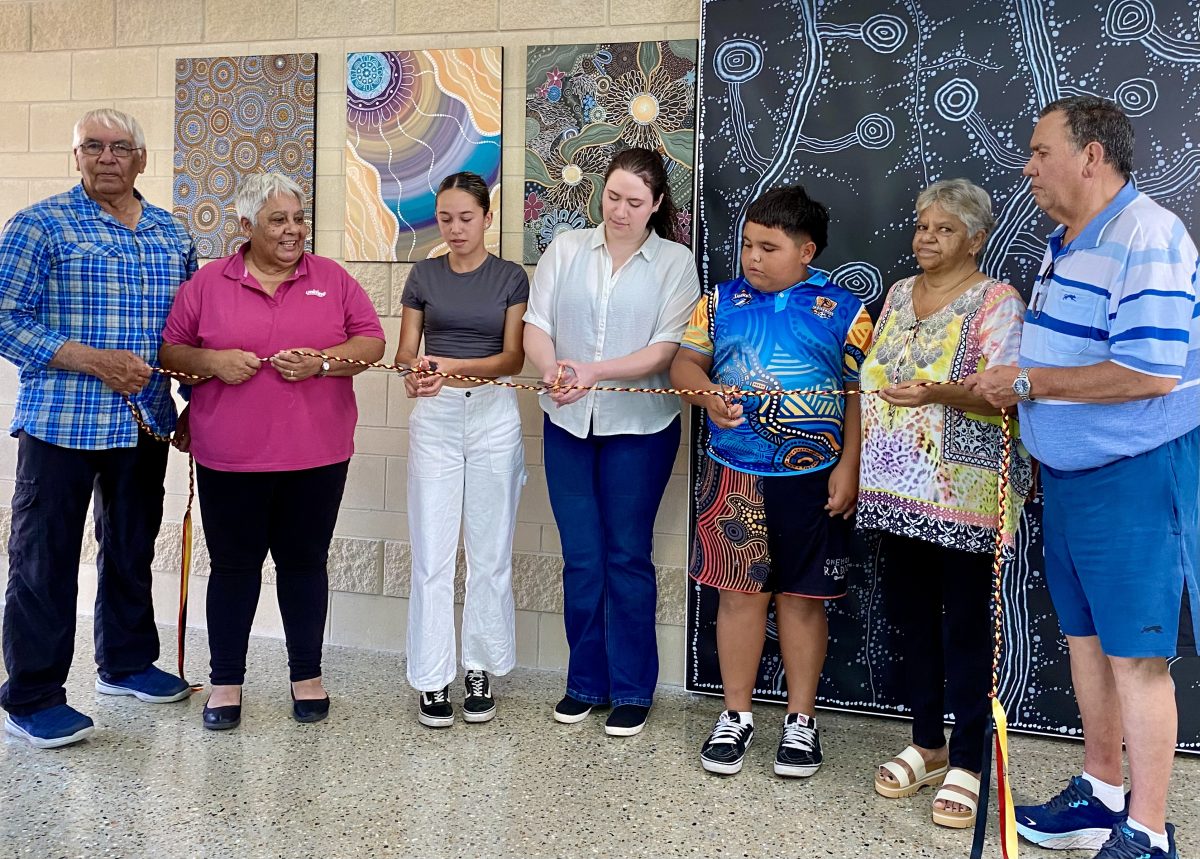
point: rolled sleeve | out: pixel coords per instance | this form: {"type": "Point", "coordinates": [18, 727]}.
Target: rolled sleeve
{"type": "Point", "coordinates": [683, 291]}
{"type": "Point", "coordinates": [539, 311]}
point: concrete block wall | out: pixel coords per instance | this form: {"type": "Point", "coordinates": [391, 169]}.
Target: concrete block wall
{"type": "Point", "coordinates": [59, 58]}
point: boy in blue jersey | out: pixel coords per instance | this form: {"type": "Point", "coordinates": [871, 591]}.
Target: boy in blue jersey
{"type": "Point", "coordinates": [779, 482]}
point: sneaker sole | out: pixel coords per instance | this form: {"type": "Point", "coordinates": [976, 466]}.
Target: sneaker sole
{"type": "Point", "coordinates": [721, 768]}
{"type": "Point", "coordinates": [40, 742]}
{"type": "Point", "coordinates": [109, 689]}
{"type": "Point", "coordinates": [1079, 839]}
{"type": "Point", "coordinates": [479, 718]}
{"type": "Point", "coordinates": [435, 721]}
{"type": "Point", "coordinates": [624, 732]}
{"type": "Point", "coordinates": [569, 719]}
{"type": "Point", "coordinates": [789, 771]}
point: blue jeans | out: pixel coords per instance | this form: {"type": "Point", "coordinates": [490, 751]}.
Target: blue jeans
{"type": "Point", "coordinates": [605, 492]}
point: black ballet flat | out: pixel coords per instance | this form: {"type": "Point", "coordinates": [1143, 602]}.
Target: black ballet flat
{"type": "Point", "coordinates": [222, 718]}
{"type": "Point", "coordinates": [309, 710]}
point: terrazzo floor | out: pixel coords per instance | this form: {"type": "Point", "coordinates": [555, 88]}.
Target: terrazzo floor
{"type": "Point", "coordinates": [372, 782]}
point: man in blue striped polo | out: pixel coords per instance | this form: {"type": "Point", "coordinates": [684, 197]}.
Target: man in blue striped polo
{"type": "Point", "coordinates": [1109, 398]}
{"type": "Point", "coordinates": [86, 281]}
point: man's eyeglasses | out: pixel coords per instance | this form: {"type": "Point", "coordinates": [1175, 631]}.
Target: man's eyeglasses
{"type": "Point", "coordinates": [94, 149]}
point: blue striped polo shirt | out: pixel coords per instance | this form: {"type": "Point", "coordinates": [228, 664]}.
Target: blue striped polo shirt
{"type": "Point", "coordinates": [1123, 291]}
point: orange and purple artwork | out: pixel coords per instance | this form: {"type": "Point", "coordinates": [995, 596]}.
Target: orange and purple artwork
{"type": "Point", "coordinates": [413, 118]}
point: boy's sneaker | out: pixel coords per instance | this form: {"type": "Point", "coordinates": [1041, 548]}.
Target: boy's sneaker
{"type": "Point", "coordinates": [1074, 819]}
{"type": "Point", "coordinates": [800, 747]}
{"type": "Point", "coordinates": [726, 746]}
{"type": "Point", "coordinates": [479, 705]}
{"type": "Point", "coordinates": [435, 710]}
{"type": "Point", "coordinates": [1127, 843]}
{"type": "Point", "coordinates": [50, 728]}
{"type": "Point", "coordinates": [152, 684]}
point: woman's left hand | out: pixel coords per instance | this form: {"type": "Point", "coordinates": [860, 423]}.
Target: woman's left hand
{"type": "Point", "coordinates": [908, 394]}
{"type": "Point", "coordinates": [294, 367]}
{"type": "Point", "coordinates": [585, 377]}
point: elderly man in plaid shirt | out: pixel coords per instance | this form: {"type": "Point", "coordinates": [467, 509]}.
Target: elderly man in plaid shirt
{"type": "Point", "coordinates": [86, 281]}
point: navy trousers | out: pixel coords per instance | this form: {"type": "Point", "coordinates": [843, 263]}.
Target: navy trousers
{"type": "Point", "coordinates": [605, 492]}
{"type": "Point", "coordinates": [49, 510]}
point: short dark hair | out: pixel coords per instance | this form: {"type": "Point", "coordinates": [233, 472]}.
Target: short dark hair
{"type": "Point", "coordinates": [791, 209]}
{"type": "Point", "coordinates": [473, 184]}
{"type": "Point", "coordinates": [1094, 119]}
{"type": "Point", "coordinates": [648, 166]}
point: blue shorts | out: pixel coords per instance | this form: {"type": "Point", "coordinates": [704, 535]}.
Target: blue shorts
{"type": "Point", "coordinates": [1121, 546]}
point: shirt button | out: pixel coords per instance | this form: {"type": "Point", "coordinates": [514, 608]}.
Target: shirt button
{"type": "Point", "coordinates": [468, 393]}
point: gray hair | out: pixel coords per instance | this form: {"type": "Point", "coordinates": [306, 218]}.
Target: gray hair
{"type": "Point", "coordinates": [1091, 119]}
{"type": "Point", "coordinates": [110, 118]}
{"type": "Point", "coordinates": [964, 200]}
{"type": "Point", "coordinates": [257, 188]}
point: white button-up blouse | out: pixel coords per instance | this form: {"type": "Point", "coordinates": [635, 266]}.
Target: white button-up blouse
{"type": "Point", "coordinates": [593, 314]}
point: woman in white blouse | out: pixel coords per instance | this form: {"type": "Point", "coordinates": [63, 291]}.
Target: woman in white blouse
{"type": "Point", "coordinates": [609, 306]}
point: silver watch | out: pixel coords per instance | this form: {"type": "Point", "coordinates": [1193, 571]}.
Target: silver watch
{"type": "Point", "coordinates": [1021, 386]}
{"type": "Point", "coordinates": [324, 371]}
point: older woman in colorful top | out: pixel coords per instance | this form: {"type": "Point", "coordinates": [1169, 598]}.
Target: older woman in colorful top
{"type": "Point", "coordinates": [930, 457]}
{"type": "Point", "coordinates": [272, 431]}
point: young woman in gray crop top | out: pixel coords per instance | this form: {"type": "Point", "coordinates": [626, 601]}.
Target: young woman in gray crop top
{"type": "Point", "coordinates": [466, 460]}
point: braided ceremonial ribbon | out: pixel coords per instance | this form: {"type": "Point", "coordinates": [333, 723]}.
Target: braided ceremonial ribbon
{"type": "Point", "coordinates": [1005, 815]}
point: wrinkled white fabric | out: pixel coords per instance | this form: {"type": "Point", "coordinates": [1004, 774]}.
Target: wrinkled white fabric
{"type": "Point", "coordinates": [466, 467]}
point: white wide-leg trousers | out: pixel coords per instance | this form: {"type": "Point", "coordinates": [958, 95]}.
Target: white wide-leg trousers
{"type": "Point", "coordinates": [466, 467]}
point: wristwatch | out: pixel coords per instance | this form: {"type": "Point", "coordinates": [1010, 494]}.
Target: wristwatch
{"type": "Point", "coordinates": [1021, 386]}
{"type": "Point", "coordinates": [324, 371]}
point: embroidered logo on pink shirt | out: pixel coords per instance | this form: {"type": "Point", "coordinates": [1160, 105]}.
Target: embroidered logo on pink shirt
{"type": "Point", "coordinates": [318, 293]}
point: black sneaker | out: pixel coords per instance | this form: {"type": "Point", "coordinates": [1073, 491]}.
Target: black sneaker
{"type": "Point", "coordinates": [626, 720]}
{"type": "Point", "coordinates": [435, 711]}
{"type": "Point", "coordinates": [727, 744]}
{"type": "Point", "coordinates": [571, 710]}
{"type": "Point", "coordinates": [479, 705]}
{"type": "Point", "coordinates": [800, 747]}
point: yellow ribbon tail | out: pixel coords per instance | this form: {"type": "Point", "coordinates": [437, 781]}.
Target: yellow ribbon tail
{"type": "Point", "coordinates": [185, 570]}
{"type": "Point", "coordinates": [1007, 818]}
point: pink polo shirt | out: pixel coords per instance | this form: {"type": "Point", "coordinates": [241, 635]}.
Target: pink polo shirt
{"type": "Point", "coordinates": [265, 423]}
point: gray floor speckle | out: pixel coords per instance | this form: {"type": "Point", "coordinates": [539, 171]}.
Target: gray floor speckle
{"type": "Point", "coordinates": [371, 782]}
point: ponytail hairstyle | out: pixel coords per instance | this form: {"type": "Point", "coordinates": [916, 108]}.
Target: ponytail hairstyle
{"type": "Point", "coordinates": [473, 184]}
{"type": "Point", "coordinates": [647, 165]}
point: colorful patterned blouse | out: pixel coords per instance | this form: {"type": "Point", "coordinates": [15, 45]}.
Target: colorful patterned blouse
{"type": "Point", "coordinates": [930, 472]}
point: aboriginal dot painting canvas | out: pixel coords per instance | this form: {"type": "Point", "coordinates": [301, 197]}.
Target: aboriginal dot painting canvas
{"type": "Point", "coordinates": [866, 103]}
{"type": "Point", "coordinates": [586, 103]}
{"type": "Point", "coordinates": [412, 119]}
{"type": "Point", "coordinates": [235, 116]}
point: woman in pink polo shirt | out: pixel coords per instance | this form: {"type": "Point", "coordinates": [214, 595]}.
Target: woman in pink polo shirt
{"type": "Point", "coordinates": [272, 431]}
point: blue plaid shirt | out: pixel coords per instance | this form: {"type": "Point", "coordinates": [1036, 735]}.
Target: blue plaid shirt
{"type": "Point", "coordinates": [71, 271]}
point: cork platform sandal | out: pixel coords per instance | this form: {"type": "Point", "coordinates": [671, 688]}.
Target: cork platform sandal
{"type": "Point", "coordinates": [967, 794]}
{"type": "Point", "coordinates": [908, 768]}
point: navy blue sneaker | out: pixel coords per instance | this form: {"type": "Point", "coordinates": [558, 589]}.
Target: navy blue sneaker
{"type": "Point", "coordinates": [1127, 843]}
{"type": "Point", "coordinates": [50, 728]}
{"type": "Point", "coordinates": [153, 685]}
{"type": "Point", "coordinates": [1074, 819]}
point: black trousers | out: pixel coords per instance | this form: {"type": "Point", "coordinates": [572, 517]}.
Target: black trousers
{"type": "Point", "coordinates": [49, 510]}
{"type": "Point", "coordinates": [291, 514]}
{"type": "Point", "coordinates": [940, 603]}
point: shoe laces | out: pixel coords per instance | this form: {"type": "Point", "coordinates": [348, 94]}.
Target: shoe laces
{"type": "Point", "coordinates": [476, 684]}
{"type": "Point", "coordinates": [440, 696]}
{"type": "Point", "coordinates": [1069, 797]}
{"type": "Point", "coordinates": [1118, 846]}
{"type": "Point", "coordinates": [798, 736]}
{"type": "Point", "coordinates": [727, 731]}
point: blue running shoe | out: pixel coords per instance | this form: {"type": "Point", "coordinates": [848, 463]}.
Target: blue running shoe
{"type": "Point", "coordinates": [50, 728]}
{"type": "Point", "coordinates": [1074, 819]}
{"type": "Point", "coordinates": [153, 685]}
{"type": "Point", "coordinates": [1127, 843]}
